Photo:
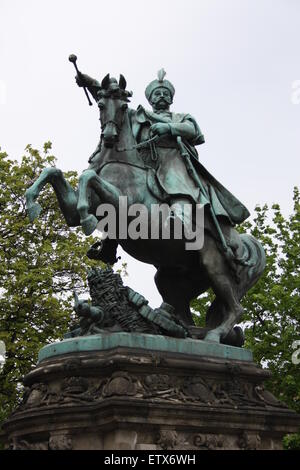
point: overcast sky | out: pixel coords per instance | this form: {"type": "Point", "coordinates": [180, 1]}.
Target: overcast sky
{"type": "Point", "coordinates": [233, 63]}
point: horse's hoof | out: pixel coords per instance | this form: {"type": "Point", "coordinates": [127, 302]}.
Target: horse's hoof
{"type": "Point", "coordinates": [235, 337]}
{"type": "Point", "coordinates": [239, 336]}
{"type": "Point", "coordinates": [89, 224]}
{"type": "Point", "coordinates": [34, 211]}
{"type": "Point", "coordinates": [213, 336]}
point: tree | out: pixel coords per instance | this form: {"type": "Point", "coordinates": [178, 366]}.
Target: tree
{"type": "Point", "coordinates": [272, 307]}
{"type": "Point", "coordinates": [40, 265]}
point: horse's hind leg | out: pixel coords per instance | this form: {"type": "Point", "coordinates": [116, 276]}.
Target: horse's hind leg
{"type": "Point", "coordinates": [177, 288]}
{"type": "Point", "coordinates": [66, 196]}
{"type": "Point", "coordinates": [216, 314]}
{"type": "Point", "coordinates": [224, 287]}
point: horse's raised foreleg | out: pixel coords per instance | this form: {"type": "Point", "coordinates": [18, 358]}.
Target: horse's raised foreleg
{"type": "Point", "coordinates": [66, 196]}
{"type": "Point", "coordinates": [104, 190]}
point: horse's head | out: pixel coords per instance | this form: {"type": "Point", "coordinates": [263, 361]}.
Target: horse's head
{"type": "Point", "coordinates": [112, 103]}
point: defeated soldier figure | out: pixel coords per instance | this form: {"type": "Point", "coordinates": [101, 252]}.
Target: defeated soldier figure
{"type": "Point", "coordinates": [115, 307]}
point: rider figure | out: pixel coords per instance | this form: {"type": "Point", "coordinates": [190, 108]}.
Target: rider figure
{"type": "Point", "coordinates": [165, 156]}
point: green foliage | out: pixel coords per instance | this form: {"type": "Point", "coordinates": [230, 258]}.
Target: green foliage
{"type": "Point", "coordinates": [40, 265]}
{"type": "Point", "coordinates": [273, 304]}
{"type": "Point", "coordinates": [291, 442]}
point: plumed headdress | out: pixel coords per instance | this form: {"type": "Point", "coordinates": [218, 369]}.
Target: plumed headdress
{"type": "Point", "coordinates": [160, 82]}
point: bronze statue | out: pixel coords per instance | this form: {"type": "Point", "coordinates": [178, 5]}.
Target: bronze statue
{"type": "Point", "coordinates": [150, 157]}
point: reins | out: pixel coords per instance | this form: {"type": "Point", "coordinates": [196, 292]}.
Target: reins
{"type": "Point", "coordinates": [140, 145]}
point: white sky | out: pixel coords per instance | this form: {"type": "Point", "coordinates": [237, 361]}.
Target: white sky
{"type": "Point", "coordinates": [233, 64]}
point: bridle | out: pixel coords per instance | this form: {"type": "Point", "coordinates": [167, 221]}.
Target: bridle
{"type": "Point", "coordinates": [150, 142]}
{"type": "Point", "coordinates": [113, 121]}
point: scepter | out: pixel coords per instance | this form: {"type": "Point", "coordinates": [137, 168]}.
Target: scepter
{"type": "Point", "coordinates": [73, 58]}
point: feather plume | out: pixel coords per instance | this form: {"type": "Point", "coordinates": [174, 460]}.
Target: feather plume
{"type": "Point", "coordinates": [161, 75]}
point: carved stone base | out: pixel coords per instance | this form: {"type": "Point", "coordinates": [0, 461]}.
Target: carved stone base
{"type": "Point", "coordinates": [133, 399]}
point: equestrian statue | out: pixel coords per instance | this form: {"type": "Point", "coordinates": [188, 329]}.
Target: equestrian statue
{"type": "Point", "coordinates": [150, 158]}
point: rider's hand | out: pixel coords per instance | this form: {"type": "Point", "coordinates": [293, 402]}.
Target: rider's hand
{"type": "Point", "coordinates": [160, 129]}
{"type": "Point", "coordinates": [80, 80]}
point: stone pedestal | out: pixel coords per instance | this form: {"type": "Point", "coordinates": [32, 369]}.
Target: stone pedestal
{"type": "Point", "coordinates": [142, 392]}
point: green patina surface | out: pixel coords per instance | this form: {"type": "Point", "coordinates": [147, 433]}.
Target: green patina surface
{"type": "Point", "coordinates": [108, 341]}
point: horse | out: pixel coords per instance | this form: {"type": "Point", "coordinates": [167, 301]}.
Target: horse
{"type": "Point", "coordinates": [117, 170]}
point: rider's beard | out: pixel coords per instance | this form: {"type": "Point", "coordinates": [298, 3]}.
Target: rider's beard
{"type": "Point", "coordinates": [160, 104]}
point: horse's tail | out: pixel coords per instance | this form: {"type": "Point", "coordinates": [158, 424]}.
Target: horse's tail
{"type": "Point", "coordinates": [255, 258]}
